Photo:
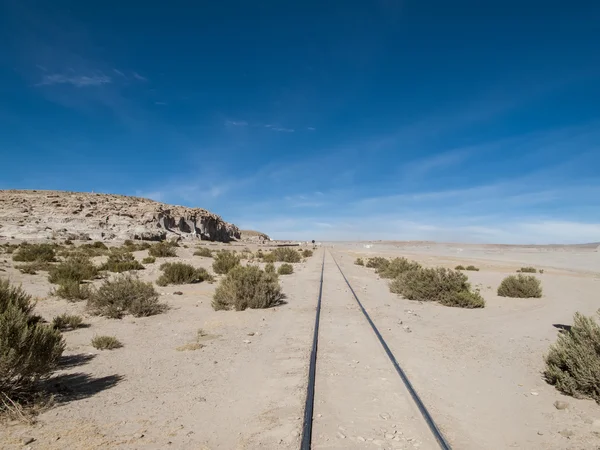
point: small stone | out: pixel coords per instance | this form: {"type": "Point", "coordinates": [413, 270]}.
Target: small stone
{"type": "Point", "coordinates": [251, 334]}
{"type": "Point", "coordinates": [247, 341]}
{"type": "Point", "coordinates": [559, 404]}
{"type": "Point", "coordinates": [389, 436]}
{"type": "Point", "coordinates": [385, 416]}
{"type": "Point", "coordinates": [534, 393]}
{"type": "Point", "coordinates": [177, 293]}
{"type": "Point", "coordinates": [319, 415]}
{"type": "Point", "coordinates": [407, 329]}
{"type": "Point", "coordinates": [361, 439]}
{"type": "Point", "coordinates": [566, 433]}
{"type": "Point", "coordinates": [540, 433]}
{"type": "Point", "coordinates": [378, 442]}
{"type": "Point", "coordinates": [28, 440]}
{"type": "Point", "coordinates": [341, 435]}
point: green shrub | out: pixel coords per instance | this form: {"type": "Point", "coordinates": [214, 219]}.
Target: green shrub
{"type": "Point", "coordinates": [286, 254]}
{"type": "Point", "coordinates": [76, 268]}
{"type": "Point", "coordinates": [472, 268]}
{"type": "Point", "coordinates": [33, 267]}
{"type": "Point", "coordinates": [125, 294]}
{"type": "Point", "coordinates": [149, 260]}
{"type": "Point", "coordinates": [377, 262]}
{"type": "Point", "coordinates": [35, 252]}
{"type": "Point", "coordinates": [224, 262]}
{"type": "Point", "coordinates": [573, 362]}
{"type": "Point", "coordinates": [269, 257]}
{"type": "Point", "coordinates": [203, 251]}
{"type": "Point", "coordinates": [95, 249]}
{"type": "Point", "coordinates": [446, 286]}
{"type": "Point", "coordinates": [270, 268]}
{"type": "Point", "coordinates": [247, 287]}
{"type": "Point", "coordinates": [396, 266]}
{"type": "Point", "coordinates": [72, 290]}
{"type": "Point", "coordinates": [181, 273]}
{"type": "Point", "coordinates": [359, 262]}
{"type": "Point", "coordinates": [285, 269]}
{"type": "Point", "coordinates": [106, 342]}
{"type": "Point", "coordinates": [162, 250]}
{"type": "Point", "coordinates": [520, 286]}
{"type": "Point", "coordinates": [527, 270]}
{"type": "Point", "coordinates": [460, 267]}
{"type": "Point", "coordinates": [131, 246]}
{"type": "Point", "coordinates": [66, 322]}
{"type": "Point", "coordinates": [307, 253]}
{"type": "Point", "coordinates": [29, 349]}
{"type": "Point", "coordinates": [119, 261]}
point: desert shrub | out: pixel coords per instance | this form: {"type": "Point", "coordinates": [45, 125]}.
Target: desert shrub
{"type": "Point", "coordinates": [270, 268]}
{"type": "Point", "coordinates": [128, 243]}
{"type": "Point", "coordinates": [260, 254]}
{"type": "Point", "coordinates": [224, 262]}
{"type": "Point", "coordinates": [285, 269]}
{"type": "Point", "coordinates": [247, 287]}
{"type": "Point", "coordinates": [75, 268]}
{"type": "Point", "coordinates": [377, 262]}
{"type": "Point", "coordinates": [99, 245]}
{"type": "Point", "coordinates": [130, 246]}
{"type": "Point", "coordinates": [286, 254]}
{"type": "Point", "coordinates": [9, 248]}
{"type": "Point", "coordinates": [472, 268]}
{"type": "Point", "coordinates": [68, 242]}
{"type": "Point", "coordinates": [203, 251]}
{"type": "Point", "coordinates": [72, 290]}
{"type": "Point", "coordinates": [106, 342]}
{"type": "Point", "coordinates": [33, 267]}
{"type": "Point", "coordinates": [359, 262]}
{"type": "Point", "coordinates": [162, 250]}
{"type": "Point", "coordinates": [446, 286]}
{"type": "Point", "coordinates": [66, 322]}
{"type": "Point", "coordinates": [520, 286]}
{"type": "Point", "coordinates": [181, 273]}
{"type": "Point", "coordinates": [29, 349]}
{"type": "Point", "coordinates": [125, 294]}
{"type": "Point", "coordinates": [460, 267]}
{"type": "Point", "coordinates": [95, 249]}
{"type": "Point", "coordinates": [35, 252]}
{"type": "Point", "coordinates": [269, 257]}
{"type": "Point", "coordinates": [396, 266]}
{"type": "Point", "coordinates": [149, 260]}
{"type": "Point", "coordinates": [119, 261]}
{"type": "Point", "coordinates": [527, 270]}
{"type": "Point", "coordinates": [307, 253]}
{"type": "Point", "coordinates": [573, 362]}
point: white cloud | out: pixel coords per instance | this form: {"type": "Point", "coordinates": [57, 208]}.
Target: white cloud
{"type": "Point", "coordinates": [137, 76]}
{"type": "Point", "coordinates": [75, 80]}
{"type": "Point", "coordinates": [237, 123]}
{"type": "Point", "coordinates": [283, 130]}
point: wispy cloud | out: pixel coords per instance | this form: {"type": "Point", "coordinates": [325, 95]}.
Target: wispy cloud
{"type": "Point", "coordinates": [139, 77]}
{"type": "Point", "coordinates": [311, 128]}
{"type": "Point", "coordinates": [237, 123]}
{"type": "Point", "coordinates": [283, 130]}
{"type": "Point", "coordinates": [75, 79]}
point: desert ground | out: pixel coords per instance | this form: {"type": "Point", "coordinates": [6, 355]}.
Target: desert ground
{"type": "Point", "coordinates": [477, 370]}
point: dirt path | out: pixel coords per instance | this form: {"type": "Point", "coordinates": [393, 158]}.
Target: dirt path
{"type": "Point", "coordinates": [360, 402]}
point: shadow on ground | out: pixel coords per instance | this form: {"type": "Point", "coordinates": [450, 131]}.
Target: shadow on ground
{"type": "Point", "coordinates": [77, 386]}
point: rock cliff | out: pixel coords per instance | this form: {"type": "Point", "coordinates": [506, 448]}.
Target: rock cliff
{"type": "Point", "coordinates": [39, 214]}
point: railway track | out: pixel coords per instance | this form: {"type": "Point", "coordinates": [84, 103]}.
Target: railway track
{"type": "Point", "coordinates": [357, 392]}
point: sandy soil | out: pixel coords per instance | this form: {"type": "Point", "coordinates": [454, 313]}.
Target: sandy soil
{"type": "Point", "coordinates": [478, 371]}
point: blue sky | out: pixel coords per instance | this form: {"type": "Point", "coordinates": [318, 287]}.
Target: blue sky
{"type": "Point", "coordinates": [451, 121]}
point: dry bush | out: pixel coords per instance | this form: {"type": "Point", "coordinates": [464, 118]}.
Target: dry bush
{"type": "Point", "coordinates": [72, 290]}
{"type": "Point", "coordinates": [33, 267]}
{"type": "Point", "coordinates": [247, 287]}
{"type": "Point", "coordinates": [162, 250]}
{"type": "Point", "coordinates": [573, 362]}
{"type": "Point", "coordinates": [359, 262]}
{"type": "Point", "coordinates": [66, 322]}
{"type": "Point", "coordinates": [397, 266]}
{"type": "Point", "coordinates": [224, 262]}
{"type": "Point", "coordinates": [286, 254]}
{"type": "Point", "coordinates": [125, 294]}
{"type": "Point", "coordinates": [269, 257]}
{"type": "Point", "coordinates": [106, 342]}
{"type": "Point", "coordinates": [377, 263]}
{"type": "Point", "coordinates": [119, 261]}
{"type": "Point", "coordinates": [76, 268]}
{"type": "Point", "coordinates": [203, 251]}
{"type": "Point", "coordinates": [149, 260]}
{"type": "Point", "coordinates": [520, 286]}
{"type": "Point", "coordinates": [527, 270]}
{"type": "Point", "coordinates": [460, 267]}
{"type": "Point", "coordinates": [270, 268]}
{"type": "Point", "coordinates": [446, 286]}
{"type": "Point", "coordinates": [285, 269]}
{"type": "Point", "coordinates": [29, 349]}
{"type": "Point", "coordinates": [472, 268]}
{"type": "Point", "coordinates": [181, 273]}
{"type": "Point", "coordinates": [307, 253]}
{"type": "Point", "coordinates": [35, 252]}
{"type": "Point", "coordinates": [131, 246]}
{"type": "Point", "coordinates": [9, 248]}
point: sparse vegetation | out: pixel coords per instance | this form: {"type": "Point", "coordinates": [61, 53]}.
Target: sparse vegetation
{"type": "Point", "coordinates": [520, 286]}
{"type": "Point", "coordinates": [285, 269]}
{"type": "Point", "coordinates": [460, 267]}
{"type": "Point", "coordinates": [131, 246]}
{"type": "Point", "coordinates": [106, 342]}
{"type": "Point", "coordinates": [472, 268]}
{"type": "Point", "coordinates": [66, 322]}
{"type": "Point", "coordinates": [396, 266]}
{"type": "Point", "coordinates": [33, 267]}
{"type": "Point", "coordinates": [377, 263]}
{"type": "Point", "coordinates": [446, 286]}
{"type": "Point", "coordinates": [149, 260]}
{"type": "Point", "coordinates": [286, 254]}
{"type": "Point", "coordinates": [573, 362]}
{"type": "Point", "coordinates": [72, 290]}
{"type": "Point", "coordinates": [35, 252]}
{"type": "Point", "coordinates": [125, 294]}
{"type": "Point", "coordinates": [181, 273]}
{"type": "Point", "coordinates": [75, 268]}
{"type": "Point", "coordinates": [162, 250]}
{"type": "Point", "coordinates": [359, 262]}
{"type": "Point", "coordinates": [120, 261]}
{"type": "Point", "coordinates": [203, 251]}
{"type": "Point", "coordinates": [29, 349]}
{"type": "Point", "coordinates": [247, 287]}
{"type": "Point", "coordinates": [527, 270]}
{"type": "Point", "coordinates": [270, 268]}
{"type": "Point", "coordinates": [224, 262]}
{"type": "Point", "coordinates": [307, 253]}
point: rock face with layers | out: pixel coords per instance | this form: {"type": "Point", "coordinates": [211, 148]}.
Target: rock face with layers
{"type": "Point", "coordinates": [78, 215]}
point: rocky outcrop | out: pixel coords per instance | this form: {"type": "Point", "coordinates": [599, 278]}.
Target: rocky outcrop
{"type": "Point", "coordinates": [82, 216]}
